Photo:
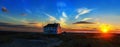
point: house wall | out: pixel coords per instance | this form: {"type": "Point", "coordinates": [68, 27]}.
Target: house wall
{"type": "Point", "coordinates": [50, 30]}
{"type": "Point", "coordinates": [59, 31]}
{"type": "Point", "coordinates": [53, 30]}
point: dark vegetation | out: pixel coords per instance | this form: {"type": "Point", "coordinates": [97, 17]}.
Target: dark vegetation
{"type": "Point", "coordinates": [68, 39]}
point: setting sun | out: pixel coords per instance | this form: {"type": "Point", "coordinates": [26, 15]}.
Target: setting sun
{"type": "Point", "coordinates": [104, 28]}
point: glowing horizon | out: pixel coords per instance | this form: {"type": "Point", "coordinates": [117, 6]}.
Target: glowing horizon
{"type": "Point", "coordinates": [65, 12]}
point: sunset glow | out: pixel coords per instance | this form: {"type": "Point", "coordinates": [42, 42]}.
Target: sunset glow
{"type": "Point", "coordinates": [87, 16]}
{"type": "Point", "coordinates": [38, 25]}
{"type": "Point", "coordinates": [104, 28]}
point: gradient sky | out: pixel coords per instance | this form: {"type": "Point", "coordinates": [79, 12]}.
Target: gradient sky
{"type": "Point", "coordinates": [65, 12]}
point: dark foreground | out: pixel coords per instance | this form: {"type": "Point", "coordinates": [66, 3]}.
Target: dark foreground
{"type": "Point", "coordinates": [25, 39]}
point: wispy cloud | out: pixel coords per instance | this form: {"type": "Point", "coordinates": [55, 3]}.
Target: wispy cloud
{"type": "Point", "coordinates": [83, 22]}
{"type": "Point", "coordinates": [9, 17]}
{"type": "Point", "coordinates": [52, 18]}
{"type": "Point", "coordinates": [23, 21]}
{"type": "Point", "coordinates": [64, 14]}
{"type": "Point", "coordinates": [86, 19]}
{"type": "Point", "coordinates": [82, 11]}
{"type": "Point", "coordinates": [28, 11]}
{"type": "Point", "coordinates": [61, 20]}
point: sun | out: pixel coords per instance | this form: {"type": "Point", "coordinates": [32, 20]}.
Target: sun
{"type": "Point", "coordinates": [105, 28]}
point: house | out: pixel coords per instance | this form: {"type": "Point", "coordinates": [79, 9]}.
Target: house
{"type": "Point", "coordinates": [52, 29]}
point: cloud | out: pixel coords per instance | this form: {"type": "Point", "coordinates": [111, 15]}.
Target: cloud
{"type": "Point", "coordinates": [82, 11]}
{"type": "Point", "coordinates": [36, 24]}
{"type": "Point", "coordinates": [4, 9]}
{"type": "Point", "coordinates": [83, 22]}
{"type": "Point", "coordinates": [52, 19]}
{"type": "Point", "coordinates": [18, 28]}
{"type": "Point", "coordinates": [32, 23]}
{"type": "Point", "coordinates": [24, 21]}
{"type": "Point", "coordinates": [62, 22]}
{"type": "Point", "coordinates": [23, 14]}
{"type": "Point", "coordinates": [28, 11]}
{"type": "Point", "coordinates": [108, 18]}
{"type": "Point", "coordinates": [64, 14]}
{"type": "Point", "coordinates": [17, 20]}
{"type": "Point", "coordinates": [10, 25]}
{"type": "Point", "coordinates": [9, 17]}
{"type": "Point", "coordinates": [86, 19]}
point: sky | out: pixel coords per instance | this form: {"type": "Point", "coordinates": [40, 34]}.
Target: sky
{"type": "Point", "coordinates": [66, 12]}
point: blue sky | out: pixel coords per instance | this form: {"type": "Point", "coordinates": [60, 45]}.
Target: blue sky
{"type": "Point", "coordinates": [63, 11]}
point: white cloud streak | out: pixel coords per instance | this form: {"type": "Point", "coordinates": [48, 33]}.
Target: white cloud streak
{"type": "Point", "coordinates": [52, 18]}
{"type": "Point", "coordinates": [82, 11]}
{"type": "Point", "coordinates": [86, 19]}
{"type": "Point", "coordinates": [64, 14]}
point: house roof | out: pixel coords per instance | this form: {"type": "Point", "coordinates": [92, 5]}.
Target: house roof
{"type": "Point", "coordinates": [52, 25]}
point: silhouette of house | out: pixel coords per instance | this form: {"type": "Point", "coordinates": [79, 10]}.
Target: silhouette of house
{"type": "Point", "coordinates": [52, 29]}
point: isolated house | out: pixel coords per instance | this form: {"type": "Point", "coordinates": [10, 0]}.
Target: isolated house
{"type": "Point", "coordinates": [52, 29]}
